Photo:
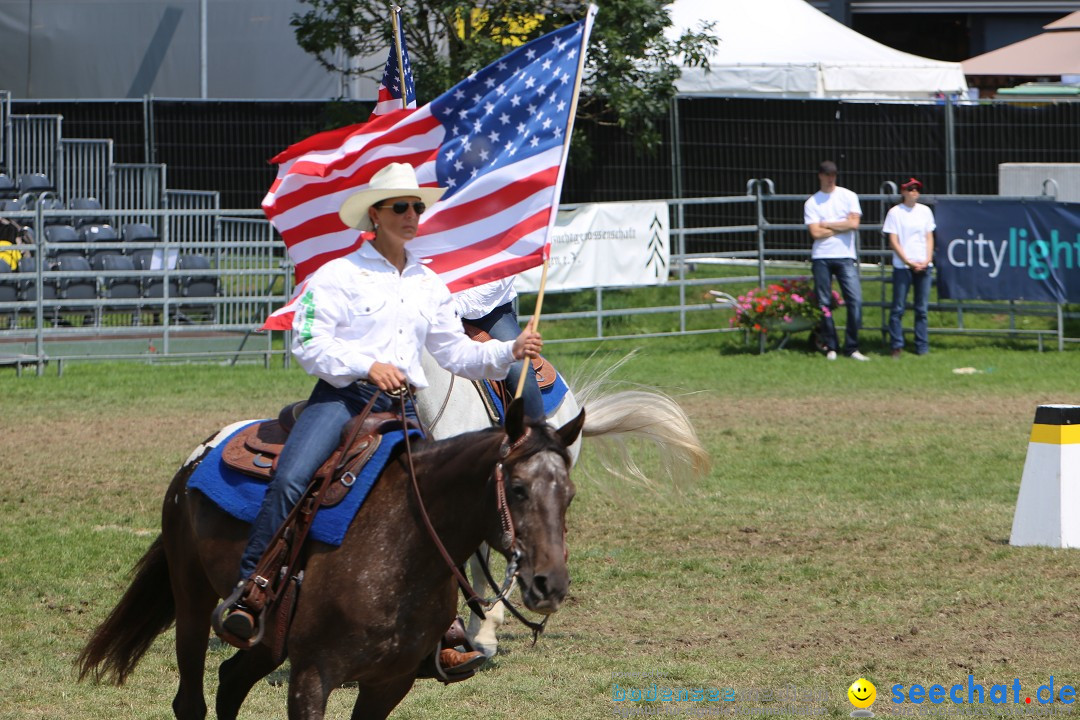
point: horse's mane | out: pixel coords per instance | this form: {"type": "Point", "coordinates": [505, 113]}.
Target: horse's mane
{"type": "Point", "coordinates": [541, 438]}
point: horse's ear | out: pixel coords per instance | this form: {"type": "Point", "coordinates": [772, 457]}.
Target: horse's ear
{"type": "Point", "coordinates": [569, 432]}
{"type": "Point", "coordinates": [515, 419]}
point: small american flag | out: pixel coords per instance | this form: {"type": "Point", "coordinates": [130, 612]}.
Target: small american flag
{"type": "Point", "coordinates": [497, 140]}
{"type": "Point", "coordinates": [391, 91]}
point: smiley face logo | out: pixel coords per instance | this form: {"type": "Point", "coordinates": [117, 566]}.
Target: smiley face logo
{"type": "Point", "coordinates": [862, 693]}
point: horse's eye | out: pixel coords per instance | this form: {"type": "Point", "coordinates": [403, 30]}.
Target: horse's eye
{"type": "Point", "coordinates": [519, 492]}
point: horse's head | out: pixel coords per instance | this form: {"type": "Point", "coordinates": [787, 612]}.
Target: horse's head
{"type": "Point", "coordinates": [536, 480]}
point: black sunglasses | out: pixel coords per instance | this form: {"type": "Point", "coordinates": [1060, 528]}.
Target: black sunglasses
{"type": "Point", "coordinates": [401, 206]}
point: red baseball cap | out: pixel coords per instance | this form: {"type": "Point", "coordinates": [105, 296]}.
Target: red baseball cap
{"type": "Point", "coordinates": [911, 183]}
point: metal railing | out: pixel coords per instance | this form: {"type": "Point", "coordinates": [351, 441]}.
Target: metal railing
{"type": "Point", "coordinates": [84, 171]}
{"type": "Point", "coordinates": [5, 130]}
{"type": "Point", "coordinates": [137, 185]}
{"type": "Point", "coordinates": [64, 314]}
{"type": "Point", "coordinates": [177, 298]}
{"type": "Point", "coordinates": [38, 147]}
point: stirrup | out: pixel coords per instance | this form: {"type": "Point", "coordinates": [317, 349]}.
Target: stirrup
{"type": "Point", "coordinates": [231, 603]}
{"type": "Point", "coordinates": [459, 672]}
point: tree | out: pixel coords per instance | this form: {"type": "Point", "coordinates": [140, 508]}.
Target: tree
{"type": "Point", "coordinates": [629, 75]}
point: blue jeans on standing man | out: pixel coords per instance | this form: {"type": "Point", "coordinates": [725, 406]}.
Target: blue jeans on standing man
{"type": "Point", "coordinates": [502, 324]}
{"type": "Point", "coordinates": [315, 436]}
{"type": "Point", "coordinates": [846, 271]}
{"type": "Point", "coordinates": [902, 279]}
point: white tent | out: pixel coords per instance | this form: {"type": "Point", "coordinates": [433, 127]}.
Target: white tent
{"type": "Point", "coordinates": [786, 48]}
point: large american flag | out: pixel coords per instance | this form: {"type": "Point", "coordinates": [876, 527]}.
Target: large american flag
{"type": "Point", "coordinates": [391, 90]}
{"type": "Point", "coordinates": [497, 140]}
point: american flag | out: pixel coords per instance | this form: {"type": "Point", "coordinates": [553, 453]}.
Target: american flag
{"type": "Point", "coordinates": [390, 91]}
{"type": "Point", "coordinates": [497, 140]}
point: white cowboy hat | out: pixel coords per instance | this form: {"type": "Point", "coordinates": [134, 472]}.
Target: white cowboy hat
{"type": "Point", "coordinates": [394, 180]}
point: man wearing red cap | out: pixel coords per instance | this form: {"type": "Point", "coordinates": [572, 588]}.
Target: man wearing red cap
{"type": "Point", "coordinates": [910, 229]}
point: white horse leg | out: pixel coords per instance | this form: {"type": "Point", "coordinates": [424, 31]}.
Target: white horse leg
{"type": "Point", "coordinates": [483, 633]}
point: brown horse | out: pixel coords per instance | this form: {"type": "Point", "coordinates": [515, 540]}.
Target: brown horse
{"type": "Point", "coordinates": [371, 610]}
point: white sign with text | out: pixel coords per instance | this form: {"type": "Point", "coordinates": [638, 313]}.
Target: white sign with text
{"type": "Point", "coordinates": [606, 245]}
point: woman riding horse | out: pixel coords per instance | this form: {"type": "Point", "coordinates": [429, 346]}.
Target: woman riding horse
{"type": "Point", "coordinates": [361, 325]}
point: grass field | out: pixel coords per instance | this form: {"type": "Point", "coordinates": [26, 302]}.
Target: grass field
{"type": "Point", "coordinates": [855, 523]}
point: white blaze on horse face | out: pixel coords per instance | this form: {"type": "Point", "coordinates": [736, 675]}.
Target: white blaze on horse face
{"type": "Point", "coordinates": [213, 442]}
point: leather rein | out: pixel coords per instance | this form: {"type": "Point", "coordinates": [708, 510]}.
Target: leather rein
{"type": "Point", "coordinates": [508, 538]}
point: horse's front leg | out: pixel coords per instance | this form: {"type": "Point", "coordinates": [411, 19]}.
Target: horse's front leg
{"type": "Point", "coordinates": [238, 675]}
{"type": "Point", "coordinates": [482, 633]}
{"type": "Point", "coordinates": [309, 690]}
{"type": "Point", "coordinates": [376, 702]}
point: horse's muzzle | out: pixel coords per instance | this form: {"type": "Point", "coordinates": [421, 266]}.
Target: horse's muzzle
{"type": "Point", "coordinates": [544, 593]}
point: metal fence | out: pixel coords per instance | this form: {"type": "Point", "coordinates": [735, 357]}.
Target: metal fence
{"type": "Point", "coordinates": [85, 167]}
{"type": "Point", "coordinates": [5, 131]}
{"type": "Point", "coordinates": [709, 147]}
{"type": "Point", "coordinates": [190, 295]}
{"type": "Point", "coordinates": [175, 308]}
{"type": "Point", "coordinates": [38, 148]}
{"type": "Point", "coordinates": [137, 185]}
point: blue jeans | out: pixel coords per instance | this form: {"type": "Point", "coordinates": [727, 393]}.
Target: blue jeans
{"type": "Point", "coordinates": [902, 279]}
{"type": "Point", "coordinates": [502, 324]}
{"type": "Point", "coordinates": [846, 271]}
{"type": "Point", "coordinates": [312, 440]}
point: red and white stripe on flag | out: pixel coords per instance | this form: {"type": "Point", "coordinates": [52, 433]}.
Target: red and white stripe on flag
{"type": "Point", "coordinates": [496, 141]}
{"type": "Point", "coordinates": [395, 84]}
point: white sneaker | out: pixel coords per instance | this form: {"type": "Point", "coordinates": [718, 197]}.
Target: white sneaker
{"type": "Point", "coordinates": [858, 356]}
{"type": "Point", "coordinates": [831, 355]}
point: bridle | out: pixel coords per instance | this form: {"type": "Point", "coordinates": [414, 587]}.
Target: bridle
{"type": "Point", "coordinates": [509, 536]}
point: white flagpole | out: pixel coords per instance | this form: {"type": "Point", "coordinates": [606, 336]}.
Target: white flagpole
{"type": "Point", "coordinates": [535, 322]}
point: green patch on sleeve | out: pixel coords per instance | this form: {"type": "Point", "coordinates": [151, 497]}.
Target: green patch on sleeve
{"type": "Point", "coordinates": [307, 309]}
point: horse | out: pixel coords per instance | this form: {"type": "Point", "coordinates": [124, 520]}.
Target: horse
{"type": "Point", "coordinates": [450, 405]}
{"type": "Point", "coordinates": [371, 610]}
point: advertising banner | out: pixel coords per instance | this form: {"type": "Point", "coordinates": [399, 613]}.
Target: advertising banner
{"type": "Point", "coordinates": [606, 245]}
{"type": "Point", "coordinates": [1009, 250]}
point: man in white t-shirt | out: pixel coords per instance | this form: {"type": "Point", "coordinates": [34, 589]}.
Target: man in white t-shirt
{"type": "Point", "coordinates": [910, 229]}
{"type": "Point", "coordinates": [832, 215]}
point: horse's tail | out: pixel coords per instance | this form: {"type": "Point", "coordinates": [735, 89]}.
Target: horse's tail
{"type": "Point", "coordinates": [643, 413]}
{"type": "Point", "coordinates": [146, 610]}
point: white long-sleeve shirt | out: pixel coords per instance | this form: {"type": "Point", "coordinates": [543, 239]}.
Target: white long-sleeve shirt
{"type": "Point", "coordinates": [476, 302]}
{"type": "Point", "coordinates": [358, 310]}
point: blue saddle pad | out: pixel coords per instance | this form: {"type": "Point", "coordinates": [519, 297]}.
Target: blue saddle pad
{"type": "Point", "coordinates": [552, 395]}
{"type": "Point", "coordinates": [241, 495]}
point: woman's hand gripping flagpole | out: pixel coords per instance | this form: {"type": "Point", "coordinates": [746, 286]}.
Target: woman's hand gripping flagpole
{"type": "Point", "coordinates": [534, 322]}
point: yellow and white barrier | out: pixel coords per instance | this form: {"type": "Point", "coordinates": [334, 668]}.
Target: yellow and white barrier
{"type": "Point", "coordinates": [1048, 507]}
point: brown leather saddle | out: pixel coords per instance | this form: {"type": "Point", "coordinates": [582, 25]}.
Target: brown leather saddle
{"type": "Point", "coordinates": [545, 375]}
{"type": "Point", "coordinates": [254, 450]}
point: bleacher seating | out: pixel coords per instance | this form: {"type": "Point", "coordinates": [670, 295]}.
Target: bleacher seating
{"type": "Point", "coordinates": [99, 234]}
{"type": "Point", "coordinates": [119, 288]}
{"type": "Point", "coordinates": [138, 232]}
{"type": "Point", "coordinates": [88, 203]}
{"type": "Point", "coordinates": [35, 183]}
{"type": "Point", "coordinates": [141, 258]}
{"type": "Point", "coordinates": [8, 189]}
{"type": "Point", "coordinates": [56, 236]}
{"type": "Point", "coordinates": [119, 280]}
{"type": "Point", "coordinates": [194, 285]}
{"type": "Point", "coordinates": [9, 291]}
{"type": "Point", "coordinates": [77, 288]}
{"type": "Point", "coordinates": [28, 281]}
{"type": "Point", "coordinates": [53, 204]}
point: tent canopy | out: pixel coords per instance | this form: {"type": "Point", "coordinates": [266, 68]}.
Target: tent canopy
{"type": "Point", "coordinates": [786, 48]}
{"type": "Point", "coordinates": [1056, 52]}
